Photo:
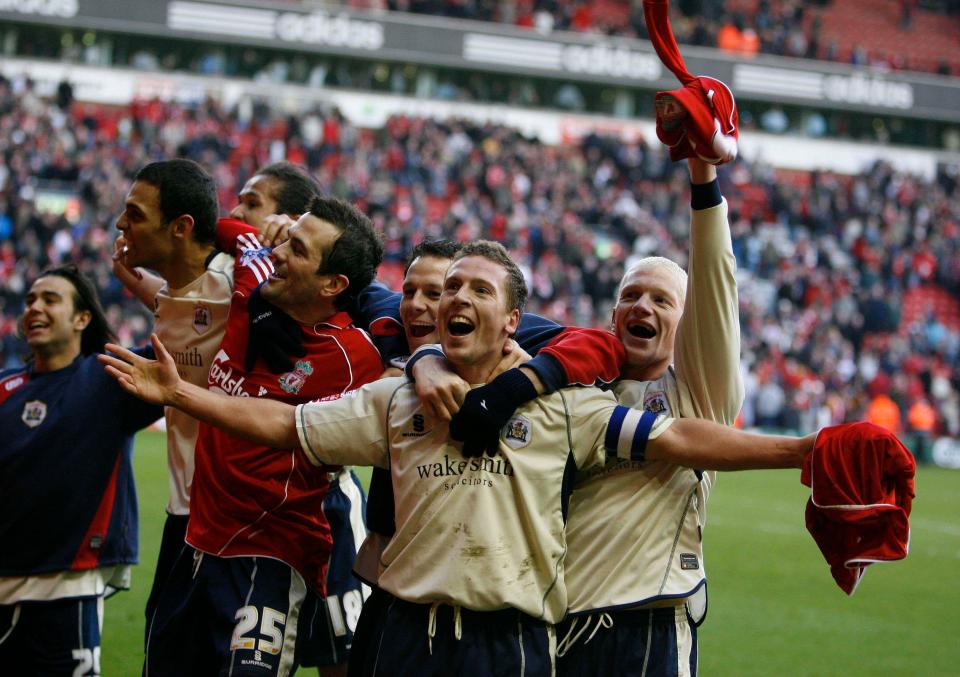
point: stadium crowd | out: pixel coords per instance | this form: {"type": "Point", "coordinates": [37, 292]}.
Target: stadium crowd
{"type": "Point", "coordinates": [782, 27]}
{"type": "Point", "coordinates": [825, 261]}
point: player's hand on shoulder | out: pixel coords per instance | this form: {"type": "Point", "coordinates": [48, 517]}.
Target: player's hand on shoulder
{"type": "Point", "coordinates": [275, 229]}
{"type": "Point", "coordinates": [478, 423]}
{"type": "Point", "coordinates": [441, 391]}
{"type": "Point", "coordinates": [487, 409]}
{"type": "Point", "coordinates": [513, 356]}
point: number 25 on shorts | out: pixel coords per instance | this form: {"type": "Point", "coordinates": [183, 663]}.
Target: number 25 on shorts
{"type": "Point", "coordinates": [271, 629]}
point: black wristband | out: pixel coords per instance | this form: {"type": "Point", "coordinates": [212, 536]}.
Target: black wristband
{"type": "Point", "coordinates": [705, 195]}
{"type": "Point", "coordinates": [517, 385]}
{"type": "Point", "coordinates": [550, 371]}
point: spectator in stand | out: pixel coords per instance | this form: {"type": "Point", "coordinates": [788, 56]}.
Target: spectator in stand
{"type": "Point", "coordinates": [882, 410]}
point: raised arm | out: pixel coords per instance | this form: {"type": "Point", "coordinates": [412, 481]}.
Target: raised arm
{"type": "Point", "coordinates": [262, 421]}
{"type": "Point", "coordinates": [707, 354]}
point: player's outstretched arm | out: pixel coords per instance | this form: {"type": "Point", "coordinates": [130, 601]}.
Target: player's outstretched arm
{"type": "Point", "coordinates": [698, 443]}
{"type": "Point", "coordinates": [261, 421]}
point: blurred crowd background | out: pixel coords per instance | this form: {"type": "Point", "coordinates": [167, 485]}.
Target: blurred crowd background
{"type": "Point", "coordinates": [861, 33]}
{"type": "Point", "coordinates": [849, 285]}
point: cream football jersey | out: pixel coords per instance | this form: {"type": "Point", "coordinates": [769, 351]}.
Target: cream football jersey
{"type": "Point", "coordinates": [190, 322]}
{"type": "Point", "coordinates": [483, 533]}
{"type": "Point", "coordinates": [635, 529]}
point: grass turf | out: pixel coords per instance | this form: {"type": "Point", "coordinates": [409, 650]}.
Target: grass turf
{"type": "Point", "coordinates": [774, 609]}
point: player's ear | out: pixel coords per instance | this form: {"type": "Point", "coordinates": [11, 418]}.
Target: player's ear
{"type": "Point", "coordinates": [334, 285]}
{"type": "Point", "coordinates": [513, 322]}
{"type": "Point", "coordinates": [182, 226]}
{"type": "Point", "coordinates": [81, 319]}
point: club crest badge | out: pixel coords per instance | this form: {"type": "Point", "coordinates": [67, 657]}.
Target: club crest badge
{"type": "Point", "coordinates": [517, 432]}
{"type": "Point", "coordinates": [201, 318]}
{"type": "Point", "coordinates": [656, 403]}
{"type": "Point", "coordinates": [34, 412]}
{"type": "Point", "coordinates": [293, 381]}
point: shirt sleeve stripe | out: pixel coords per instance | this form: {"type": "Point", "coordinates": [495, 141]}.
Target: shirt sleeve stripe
{"type": "Point", "coordinates": [613, 429]}
{"type": "Point", "coordinates": [627, 433]}
{"type": "Point", "coordinates": [638, 446]}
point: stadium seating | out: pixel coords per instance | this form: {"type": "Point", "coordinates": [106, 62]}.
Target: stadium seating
{"type": "Point", "coordinates": [858, 31]}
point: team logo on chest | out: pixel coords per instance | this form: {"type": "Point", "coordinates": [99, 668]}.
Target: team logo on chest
{"type": "Point", "coordinates": [517, 432]}
{"type": "Point", "coordinates": [201, 318]}
{"type": "Point", "coordinates": [293, 381]}
{"type": "Point", "coordinates": [34, 412]}
{"type": "Point", "coordinates": [656, 403]}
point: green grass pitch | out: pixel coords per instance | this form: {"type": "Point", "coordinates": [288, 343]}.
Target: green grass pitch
{"type": "Point", "coordinates": [774, 609]}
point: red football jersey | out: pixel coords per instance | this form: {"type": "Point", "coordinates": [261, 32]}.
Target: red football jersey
{"type": "Point", "coordinates": [251, 500]}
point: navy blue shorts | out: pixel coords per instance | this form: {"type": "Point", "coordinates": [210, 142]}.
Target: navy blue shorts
{"type": "Point", "coordinates": [234, 616]}
{"type": "Point", "coordinates": [368, 629]}
{"type": "Point", "coordinates": [51, 638]}
{"type": "Point", "coordinates": [327, 624]}
{"type": "Point", "coordinates": [172, 542]}
{"type": "Point", "coordinates": [481, 644]}
{"type": "Point", "coordinates": [652, 642]}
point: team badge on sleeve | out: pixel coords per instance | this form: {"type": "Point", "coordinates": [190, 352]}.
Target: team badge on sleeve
{"type": "Point", "coordinates": [293, 381]}
{"type": "Point", "coordinates": [34, 412]}
{"type": "Point", "coordinates": [517, 432]}
{"type": "Point", "coordinates": [656, 403]}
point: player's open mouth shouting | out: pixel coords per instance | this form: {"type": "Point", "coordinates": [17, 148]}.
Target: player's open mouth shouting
{"type": "Point", "coordinates": [458, 325]}
{"type": "Point", "coordinates": [641, 330]}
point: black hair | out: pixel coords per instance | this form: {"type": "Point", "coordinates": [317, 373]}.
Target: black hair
{"type": "Point", "coordinates": [295, 188]}
{"type": "Point", "coordinates": [356, 253]}
{"type": "Point", "coordinates": [98, 331]}
{"type": "Point", "coordinates": [441, 249]}
{"type": "Point", "coordinates": [496, 252]}
{"type": "Point", "coordinates": [185, 188]}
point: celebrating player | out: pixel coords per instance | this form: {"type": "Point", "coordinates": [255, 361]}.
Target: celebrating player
{"type": "Point", "coordinates": [476, 563]}
{"type": "Point", "coordinates": [68, 508]}
{"type": "Point", "coordinates": [643, 570]}
{"type": "Point", "coordinates": [168, 225]}
{"type": "Point", "coordinates": [641, 600]}
{"type": "Point", "coordinates": [257, 531]}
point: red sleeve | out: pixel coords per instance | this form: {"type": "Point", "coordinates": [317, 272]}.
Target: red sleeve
{"type": "Point", "coordinates": [228, 230]}
{"type": "Point", "coordinates": [587, 356]}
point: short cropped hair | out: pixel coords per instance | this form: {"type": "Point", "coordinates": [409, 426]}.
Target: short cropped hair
{"type": "Point", "coordinates": [440, 249]}
{"type": "Point", "coordinates": [96, 334]}
{"type": "Point", "coordinates": [356, 253]}
{"type": "Point", "coordinates": [185, 188]}
{"type": "Point", "coordinates": [294, 190]}
{"type": "Point", "coordinates": [658, 262]}
{"type": "Point", "coordinates": [496, 252]}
